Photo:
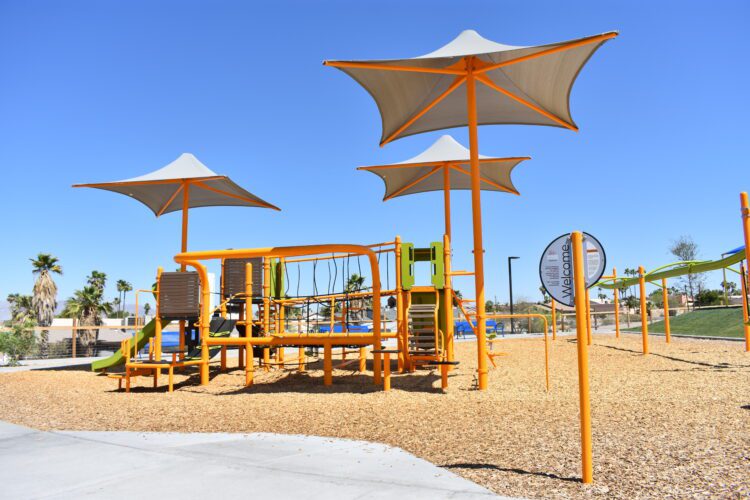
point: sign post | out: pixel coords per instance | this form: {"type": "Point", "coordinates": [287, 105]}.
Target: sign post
{"type": "Point", "coordinates": [587, 465]}
{"type": "Point", "coordinates": [569, 266]}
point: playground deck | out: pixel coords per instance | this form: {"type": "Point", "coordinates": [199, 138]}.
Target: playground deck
{"type": "Point", "coordinates": [673, 424]}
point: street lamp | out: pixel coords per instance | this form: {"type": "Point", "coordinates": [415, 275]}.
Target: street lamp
{"type": "Point", "coordinates": [510, 285]}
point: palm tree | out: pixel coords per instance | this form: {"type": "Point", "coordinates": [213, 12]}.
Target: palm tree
{"type": "Point", "coordinates": [87, 306]}
{"type": "Point", "coordinates": [116, 303]}
{"type": "Point", "coordinates": [121, 284]}
{"type": "Point", "coordinates": [354, 284]}
{"type": "Point", "coordinates": [97, 279]}
{"type": "Point", "coordinates": [127, 287]}
{"type": "Point", "coordinates": [545, 297]}
{"type": "Point", "coordinates": [21, 308]}
{"type": "Point", "coordinates": [146, 308]}
{"type": "Point", "coordinates": [44, 300]}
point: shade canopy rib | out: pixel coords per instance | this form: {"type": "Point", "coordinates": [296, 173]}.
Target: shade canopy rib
{"type": "Point", "coordinates": [532, 84]}
{"type": "Point", "coordinates": [413, 175]}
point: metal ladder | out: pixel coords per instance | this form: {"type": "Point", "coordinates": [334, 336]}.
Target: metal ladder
{"type": "Point", "coordinates": [423, 332]}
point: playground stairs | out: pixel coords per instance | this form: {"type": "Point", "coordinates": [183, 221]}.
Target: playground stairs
{"type": "Point", "coordinates": [423, 331]}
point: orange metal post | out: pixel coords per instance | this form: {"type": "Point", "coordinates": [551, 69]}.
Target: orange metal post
{"type": "Point", "coordinates": [280, 316]}
{"type": "Point", "coordinates": [301, 357]}
{"type": "Point", "coordinates": [554, 320]}
{"type": "Point", "coordinates": [362, 359]}
{"type": "Point", "coordinates": [617, 304]}
{"type": "Point", "coordinates": [665, 296]}
{"type": "Point", "coordinates": [249, 365]}
{"type": "Point", "coordinates": [387, 371]}
{"type": "Point", "coordinates": [583, 359]}
{"type": "Point", "coordinates": [588, 317]}
{"type": "Point", "coordinates": [644, 312]}
{"type": "Point", "coordinates": [249, 327]}
{"type": "Point", "coordinates": [266, 309]}
{"type": "Point", "coordinates": [157, 317]}
{"type": "Point", "coordinates": [448, 297]}
{"type": "Point", "coordinates": [223, 312]}
{"type": "Point", "coordinates": [205, 316]}
{"type": "Point", "coordinates": [241, 316]}
{"type": "Point", "coordinates": [447, 199]}
{"type": "Point", "coordinates": [745, 207]}
{"type": "Point", "coordinates": [402, 354]}
{"type": "Point", "coordinates": [185, 212]}
{"type": "Point", "coordinates": [327, 364]}
{"type": "Point", "coordinates": [476, 209]}
{"type": "Point", "coordinates": [745, 306]}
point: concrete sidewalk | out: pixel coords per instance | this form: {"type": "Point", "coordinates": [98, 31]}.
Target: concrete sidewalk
{"type": "Point", "coordinates": [35, 464]}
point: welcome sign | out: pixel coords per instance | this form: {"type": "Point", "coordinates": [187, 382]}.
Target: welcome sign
{"type": "Point", "coordinates": [556, 267]}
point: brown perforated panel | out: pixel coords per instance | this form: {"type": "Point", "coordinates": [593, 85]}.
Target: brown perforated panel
{"type": "Point", "coordinates": [179, 295]}
{"type": "Point", "coordinates": [234, 276]}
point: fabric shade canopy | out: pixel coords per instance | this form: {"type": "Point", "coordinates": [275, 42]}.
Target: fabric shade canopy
{"type": "Point", "coordinates": [518, 85]}
{"type": "Point", "coordinates": [473, 81]}
{"type": "Point", "coordinates": [165, 190]}
{"type": "Point", "coordinates": [426, 171]}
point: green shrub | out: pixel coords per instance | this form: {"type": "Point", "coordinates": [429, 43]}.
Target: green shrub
{"type": "Point", "coordinates": [18, 341]}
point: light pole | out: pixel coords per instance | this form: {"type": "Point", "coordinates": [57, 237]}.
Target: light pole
{"type": "Point", "coordinates": [510, 286]}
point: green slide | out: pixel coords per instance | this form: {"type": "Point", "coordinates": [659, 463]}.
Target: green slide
{"type": "Point", "coordinates": [142, 337]}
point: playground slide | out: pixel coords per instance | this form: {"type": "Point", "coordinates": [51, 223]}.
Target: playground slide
{"type": "Point", "coordinates": [142, 337]}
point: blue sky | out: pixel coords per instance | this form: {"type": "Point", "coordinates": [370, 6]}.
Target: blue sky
{"type": "Point", "coordinates": [95, 91]}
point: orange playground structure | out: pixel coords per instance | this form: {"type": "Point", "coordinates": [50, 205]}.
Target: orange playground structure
{"type": "Point", "coordinates": [254, 300]}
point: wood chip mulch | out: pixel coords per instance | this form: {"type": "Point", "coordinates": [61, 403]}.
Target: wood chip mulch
{"type": "Point", "coordinates": [674, 424]}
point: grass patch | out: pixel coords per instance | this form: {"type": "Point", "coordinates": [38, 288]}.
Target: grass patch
{"type": "Point", "coordinates": [709, 323]}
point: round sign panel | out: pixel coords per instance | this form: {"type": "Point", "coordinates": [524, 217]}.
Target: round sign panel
{"type": "Point", "coordinates": [556, 267]}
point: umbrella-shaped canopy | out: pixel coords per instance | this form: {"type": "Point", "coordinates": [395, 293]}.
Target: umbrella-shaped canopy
{"type": "Point", "coordinates": [445, 166]}
{"type": "Point", "coordinates": [183, 184]}
{"type": "Point", "coordinates": [517, 85]}
{"type": "Point", "coordinates": [473, 81]}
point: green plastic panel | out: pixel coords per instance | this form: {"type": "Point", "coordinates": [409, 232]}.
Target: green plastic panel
{"type": "Point", "coordinates": [407, 265]}
{"type": "Point", "coordinates": [436, 261]}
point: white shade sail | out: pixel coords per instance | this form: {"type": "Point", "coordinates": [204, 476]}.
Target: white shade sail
{"type": "Point", "coordinates": [425, 172]}
{"type": "Point", "coordinates": [515, 84]}
{"type": "Point", "coordinates": [164, 190]}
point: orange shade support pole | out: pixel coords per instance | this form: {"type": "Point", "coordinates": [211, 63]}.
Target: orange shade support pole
{"type": "Point", "coordinates": [588, 317]}
{"type": "Point", "coordinates": [185, 212]}
{"type": "Point", "coordinates": [476, 210]}
{"type": "Point", "coordinates": [587, 465]}
{"type": "Point", "coordinates": [447, 199]}
{"type": "Point", "coordinates": [745, 210]}
{"type": "Point", "coordinates": [644, 311]}
{"type": "Point", "coordinates": [745, 306]}
{"type": "Point", "coordinates": [665, 296]}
